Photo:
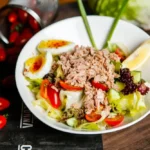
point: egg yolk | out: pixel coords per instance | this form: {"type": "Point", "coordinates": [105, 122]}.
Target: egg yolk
{"type": "Point", "coordinates": [35, 63]}
{"type": "Point", "coordinates": [53, 44]}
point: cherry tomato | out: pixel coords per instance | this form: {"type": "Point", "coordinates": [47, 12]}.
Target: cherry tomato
{"type": "Point", "coordinates": [23, 15]}
{"type": "Point", "coordinates": [114, 121]}
{"type": "Point", "coordinates": [33, 23]}
{"type": "Point", "coordinates": [23, 38]}
{"type": "Point", "coordinates": [92, 117]}
{"type": "Point", "coordinates": [12, 17]}
{"type": "Point", "coordinates": [120, 54]}
{"type": "Point", "coordinates": [13, 36]}
{"type": "Point", "coordinates": [2, 54]}
{"type": "Point", "coordinates": [16, 26]}
{"type": "Point", "coordinates": [69, 87]}
{"type": "Point", "coordinates": [13, 51]}
{"type": "Point", "coordinates": [101, 86]}
{"type": "Point", "coordinates": [48, 92]}
{"type": "Point", "coordinates": [4, 103]}
{"type": "Point", "coordinates": [53, 96]}
{"type": "Point", "coordinates": [3, 121]}
{"type": "Point", "coordinates": [9, 81]}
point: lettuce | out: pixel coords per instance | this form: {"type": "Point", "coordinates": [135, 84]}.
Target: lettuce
{"type": "Point", "coordinates": [34, 85]}
{"type": "Point", "coordinates": [137, 11]}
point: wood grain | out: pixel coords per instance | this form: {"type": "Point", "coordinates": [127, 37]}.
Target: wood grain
{"type": "Point", "coordinates": [136, 137]}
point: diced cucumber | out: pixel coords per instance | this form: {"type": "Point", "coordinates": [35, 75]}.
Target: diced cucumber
{"type": "Point", "coordinates": [72, 122]}
{"type": "Point", "coordinates": [136, 76]}
{"type": "Point", "coordinates": [119, 86]}
{"type": "Point", "coordinates": [113, 95]}
{"type": "Point", "coordinates": [118, 66]}
{"type": "Point", "coordinates": [59, 73]}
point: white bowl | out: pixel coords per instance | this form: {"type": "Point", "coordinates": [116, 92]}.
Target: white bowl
{"type": "Point", "coordinates": [73, 30]}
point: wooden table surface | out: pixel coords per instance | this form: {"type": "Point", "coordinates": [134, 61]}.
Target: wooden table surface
{"type": "Point", "coordinates": [136, 137]}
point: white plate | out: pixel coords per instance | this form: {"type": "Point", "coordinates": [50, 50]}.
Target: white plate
{"type": "Point", "coordinates": [73, 30]}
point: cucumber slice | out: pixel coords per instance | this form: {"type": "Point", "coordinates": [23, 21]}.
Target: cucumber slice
{"type": "Point", "coordinates": [72, 122]}
{"type": "Point", "coordinates": [118, 66]}
{"type": "Point", "coordinates": [113, 95]}
{"type": "Point", "coordinates": [136, 76]}
{"type": "Point", "coordinates": [119, 85]}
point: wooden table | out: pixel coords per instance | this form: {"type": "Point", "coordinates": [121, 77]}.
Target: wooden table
{"type": "Point", "coordinates": [136, 137]}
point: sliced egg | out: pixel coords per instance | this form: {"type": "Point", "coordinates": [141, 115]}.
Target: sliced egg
{"type": "Point", "coordinates": [55, 46]}
{"type": "Point", "coordinates": [38, 66]}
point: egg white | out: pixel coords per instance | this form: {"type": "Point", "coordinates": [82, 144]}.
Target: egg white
{"type": "Point", "coordinates": [44, 70]}
{"type": "Point", "coordinates": [56, 51]}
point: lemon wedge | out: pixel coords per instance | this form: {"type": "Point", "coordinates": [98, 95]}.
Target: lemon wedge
{"type": "Point", "coordinates": [138, 57]}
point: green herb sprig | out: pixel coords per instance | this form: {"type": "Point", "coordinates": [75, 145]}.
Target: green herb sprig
{"type": "Point", "coordinates": [87, 26]}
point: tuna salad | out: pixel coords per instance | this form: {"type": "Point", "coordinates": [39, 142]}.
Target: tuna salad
{"type": "Point", "coordinates": [82, 87]}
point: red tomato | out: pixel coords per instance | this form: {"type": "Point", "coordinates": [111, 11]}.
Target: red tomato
{"type": "Point", "coordinates": [23, 15]}
{"type": "Point", "coordinates": [13, 51]}
{"type": "Point", "coordinates": [92, 117]}
{"type": "Point", "coordinates": [23, 38]}
{"type": "Point", "coordinates": [2, 54]}
{"type": "Point", "coordinates": [120, 54]}
{"type": "Point", "coordinates": [33, 23]}
{"type": "Point", "coordinates": [12, 17]}
{"type": "Point", "coordinates": [13, 36]}
{"type": "Point", "coordinates": [9, 81]}
{"type": "Point", "coordinates": [3, 121]}
{"type": "Point", "coordinates": [114, 121]}
{"type": "Point", "coordinates": [16, 26]}
{"type": "Point", "coordinates": [101, 86]}
{"type": "Point", "coordinates": [4, 103]}
{"type": "Point", "coordinates": [53, 96]}
{"type": "Point", "coordinates": [69, 87]}
{"type": "Point", "coordinates": [49, 93]}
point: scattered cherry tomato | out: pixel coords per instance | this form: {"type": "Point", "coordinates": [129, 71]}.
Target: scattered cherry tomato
{"type": "Point", "coordinates": [9, 81]}
{"type": "Point", "coordinates": [4, 103]}
{"type": "Point", "coordinates": [33, 23]}
{"type": "Point", "coordinates": [16, 26]}
{"type": "Point", "coordinates": [3, 121]}
{"type": "Point", "coordinates": [23, 15]}
{"type": "Point", "coordinates": [92, 117]}
{"type": "Point", "coordinates": [114, 121]}
{"type": "Point", "coordinates": [12, 17]}
{"type": "Point", "coordinates": [13, 51]}
{"type": "Point", "coordinates": [2, 54]}
{"type": "Point", "coordinates": [120, 54]}
{"type": "Point", "coordinates": [101, 86]}
{"type": "Point", "coordinates": [69, 87]}
{"type": "Point", "coordinates": [13, 36]}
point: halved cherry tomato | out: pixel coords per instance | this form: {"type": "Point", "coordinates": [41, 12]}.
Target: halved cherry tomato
{"type": "Point", "coordinates": [12, 17]}
{"type": "Point", "coordinates": [92, 117]}
{"type": "Point", "coordinates": [33, 23]}
{"type": "Point", "coordinates": [114, 121]}
{"type": "Point", "coordinates": [23, 15]}
{"type": "Point", "coordinates": [2, 54]}
{"type": "Point", "coordinates": [120, 54]}
{"type": "Point", "coordinates": [16, 26]}
{"type": "Point", "coordinates": [48, 92]}
{"type": "Point", "coordinates": [43, 88]}
{"type": "Point", "coordinates": [3, 121]}
{"type": "Point", "coordinates": [13, 36]}
{"type": "Point", "coordinates": [69, 87]}
{"type": "Point", "coordinates": [4, 103]}
{"type": "Point", "coordinates": [53, 96]}
{"type": "Point", "coordinates": [101, 86]}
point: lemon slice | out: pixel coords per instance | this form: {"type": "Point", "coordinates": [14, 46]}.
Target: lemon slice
{"type": "Point", "coordinates": [138, 57]}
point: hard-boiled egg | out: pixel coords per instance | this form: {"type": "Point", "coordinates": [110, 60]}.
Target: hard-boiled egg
{"type": "Point", "coordinates": [55, 46]}
{"type": "Point", "coordinates": [38, 66]}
